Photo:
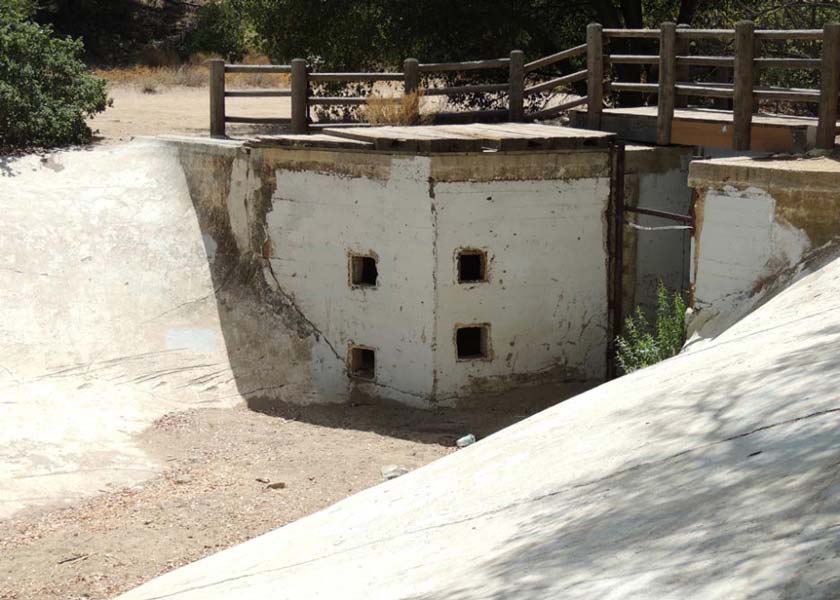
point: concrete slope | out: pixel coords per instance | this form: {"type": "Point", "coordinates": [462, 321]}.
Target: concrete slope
{"type": "Point", "coordinates": [109, 318]}
{"type": "Point", "coordinates": [715, 474]}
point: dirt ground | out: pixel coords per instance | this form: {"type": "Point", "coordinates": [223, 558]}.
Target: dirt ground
{"type": "Point", "coordinates": [233, 474]}
{"type": "Point", "coordinates": [174, 110]}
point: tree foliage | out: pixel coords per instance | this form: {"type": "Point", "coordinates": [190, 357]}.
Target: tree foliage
{"type": "Point", "coordinates": [368, 33]}
{"type": "Point", "coordinates": [371, 33]}
{"type": "Point", "coordinates": [46, 92]}
{"type": "Point", "coordinates": [220, 29]}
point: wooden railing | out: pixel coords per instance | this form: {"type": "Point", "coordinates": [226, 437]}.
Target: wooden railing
{"type": "Point", "coordinates": [302, 99]}
{"type": "Point", "coordinates": [673, 61]}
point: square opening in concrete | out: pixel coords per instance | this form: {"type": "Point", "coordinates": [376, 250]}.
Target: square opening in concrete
{"type": "Point", "coordinates": [362, 362]}
{"type": "Point", "coordinates": [472, 342]}
{"type": "Point", "coordinates": [363, 270]}
{"type": "Point", "coordinates": [472, 266]}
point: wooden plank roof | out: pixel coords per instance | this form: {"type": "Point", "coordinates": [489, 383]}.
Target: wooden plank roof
{"type": "Point", "coordinates": [477, 137]}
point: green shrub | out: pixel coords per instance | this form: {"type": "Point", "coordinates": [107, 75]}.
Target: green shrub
{"type": "Point", "coordinates": [46, 92]}
{"type": "Point", "coordinates": [640, 346]}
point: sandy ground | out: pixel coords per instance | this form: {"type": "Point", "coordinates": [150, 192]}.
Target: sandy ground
{"type": "Point", "coordinates": [232, 474]}
{"type": "Point", "coordinates": [174, 110]}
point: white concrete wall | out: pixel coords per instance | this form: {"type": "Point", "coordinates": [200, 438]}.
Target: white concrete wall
{"type": "Point", "coordinates": [315, 221]}
{"type": "Point", "coordinates": [740, 244]}
{"type": "Point", "coordinates": [546, 301]}
{"type": "Point", "coordinates": [758, 221]}
{"type": "Point", "coordinates": [546, 298]}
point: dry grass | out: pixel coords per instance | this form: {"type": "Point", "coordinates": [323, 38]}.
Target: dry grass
{"type": "Point", "coordinates": [164, 71]}
{"type": "Point", "coordinates": [405, 110]}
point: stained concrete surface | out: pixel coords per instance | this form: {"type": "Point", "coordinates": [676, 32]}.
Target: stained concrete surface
{"type": "Point", "coordinates": [711, 475]}
{"type": "Point", "coordinates": [109, 318]}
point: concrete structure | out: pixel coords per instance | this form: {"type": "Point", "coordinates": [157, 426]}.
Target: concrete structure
{"type": "Point", "coordinates": [430, 271]}
{"type": "Point", "coordinates": [711, 475]}
{"type": "Point", "coordinates": [757, 220]}
{"type": "Point", "coordinates": [167, 274]}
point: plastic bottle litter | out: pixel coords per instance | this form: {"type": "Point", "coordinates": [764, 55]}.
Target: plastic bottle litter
{"type": "Point", "coordinates": [467, 440]}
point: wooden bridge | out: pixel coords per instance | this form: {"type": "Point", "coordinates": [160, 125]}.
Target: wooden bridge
{"type": "Point", "coordinates": [672, 120]}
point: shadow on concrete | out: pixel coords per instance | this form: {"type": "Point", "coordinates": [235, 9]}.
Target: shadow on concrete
{"type": "Point", "coordinates": [752, 508]}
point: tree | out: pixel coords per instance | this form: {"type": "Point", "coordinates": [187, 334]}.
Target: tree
{"type": "Point", "coordinates": [378, 33]}
{"type": "Point", "coordinates": [46, 92]}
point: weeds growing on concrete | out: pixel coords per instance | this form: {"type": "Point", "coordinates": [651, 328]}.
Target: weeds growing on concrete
{"type": "Point", "coordinates": [641, 346]}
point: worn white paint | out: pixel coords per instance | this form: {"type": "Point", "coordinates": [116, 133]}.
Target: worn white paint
{"type": "Point", "coordinates": [710, 475]}
{"type": "Point", "coordinates": [741, 244]}
{"type": "Point", "coordinates": [316, 220]}
{"type": "Point", "coordinates": [545, 301]}
{"type": "Point", "coordinates": [546, 294]}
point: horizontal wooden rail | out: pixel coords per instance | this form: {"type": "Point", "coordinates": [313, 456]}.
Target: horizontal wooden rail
{"type": "Point", "coordinates": [765, 93]}
{"type": "Point", "coordinates": [706, 61]}
{"type": "Point", "coordinates": [634, 59]}
{"type": "Point", "coordinates": [258, 68]}
{"type": "Point", "coordinates": [704, 91]}
{"type": "Point", "coordinates": [466, 89]}
{"type": "Point", "coordinates": [791, 95]}
{"type": "Point", "coordinates": [557, 82]}
{"type": "Point", "coordinates": [789, 34]}
{"type": "Point", "coordinates": [258, 93]}
{"type": "Point", "coordinates": [631, 33]}
{"type": "Point", "coordinates": [760, 63]}
{"type": "Point", "coordinates": [554, 58]}
{"type": "Point", "coordinates": [347, 100]}
{"type": "Point", "coordinates": [355, 77]}
{"type": "Point", "coordinates": [259, 120]}
{"type": "Point", "coordinates": [628, 86]}
{"type": "Point", "coordinates": [470, 65]}
{"type": "Point", "coordinates": [548, 113]}
{"type": "Point", "coordinates": [692, 34]}
{"type": "Point", "coordinates": [705, 34]}
{"type": "Point", "coordinates": [788, 63]}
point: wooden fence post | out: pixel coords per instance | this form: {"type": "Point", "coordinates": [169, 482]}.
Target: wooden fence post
{"type": "Point", "coordinates": [411, 75]}
{"type": "Point", "coordinates": [829, 86]}
{"type": "Point", "coordinates": [667, 73]}
{"type": "Point", "coordinates": [300, 95]}
{"type": "Point", "coordinates": [742, 108]}
{"type": "Point", "coordinates": [217, 97]}
{"type": "Point", "coordinates": [595, 75]}
{"type": "Point", "coordinates": [516, 92]}
{"type": "Point", "coordinates": [681, 72]}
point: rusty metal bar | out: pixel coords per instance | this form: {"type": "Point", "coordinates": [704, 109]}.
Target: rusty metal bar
{"type": "Point", "coordinates": [664, 214]}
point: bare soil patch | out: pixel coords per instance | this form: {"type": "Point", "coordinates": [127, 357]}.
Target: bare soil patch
{"type": "Point", "coordinates": [175, 110]}
{"type": "Point", "coordinates": [232, 474]}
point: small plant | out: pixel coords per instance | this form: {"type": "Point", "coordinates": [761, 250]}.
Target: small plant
{"type": "Point", "coordinates": [405, 110]}
{"type": "Point", "coordinates": [640, 346]}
